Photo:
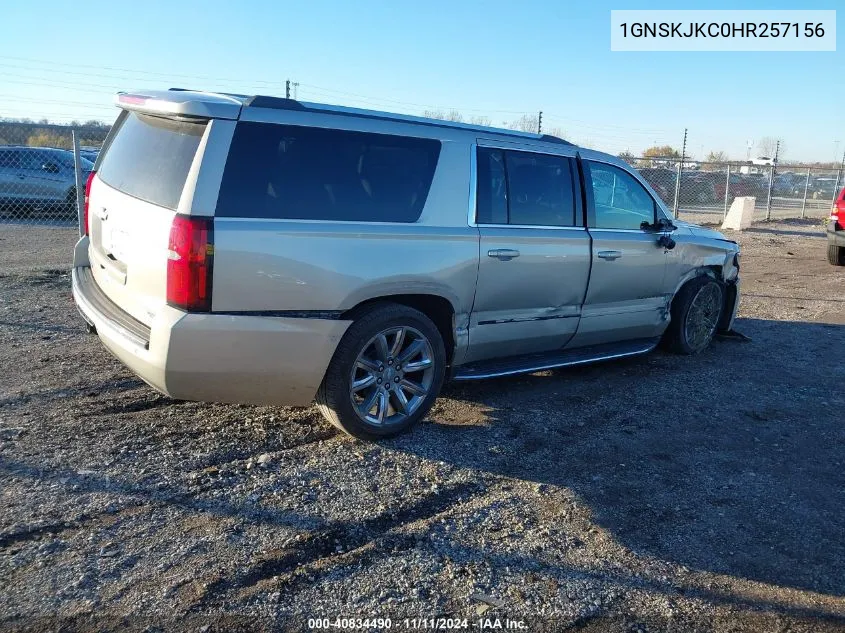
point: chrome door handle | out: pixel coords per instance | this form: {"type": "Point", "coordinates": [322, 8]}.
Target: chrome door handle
{"type": "Point", "coordinates": [610, 255]}
{"type": "Point", "coordinates": [504, 254]}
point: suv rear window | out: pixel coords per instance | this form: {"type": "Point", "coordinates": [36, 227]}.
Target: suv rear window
{"type": "Point", "coordinates": [306, 173]}
{"type": "Point", "coordinates": [149, 157]}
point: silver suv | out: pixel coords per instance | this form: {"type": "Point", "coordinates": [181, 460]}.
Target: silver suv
{"type": "Point", "coordinates": [269, 251]}
{"type": "Point", "coordinates": [38, 177]}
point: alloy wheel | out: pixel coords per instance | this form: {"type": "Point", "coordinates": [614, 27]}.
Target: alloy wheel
{"type": "Point", "coordinates": [392, 376]}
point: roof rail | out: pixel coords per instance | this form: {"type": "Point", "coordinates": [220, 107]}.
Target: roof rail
{"type": "Point", "coordinates": [280, 103]}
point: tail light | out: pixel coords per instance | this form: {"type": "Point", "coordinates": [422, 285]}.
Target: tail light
{"type": "Point", "coordinates": [85, 227]}
{"type": "Point", "coordinates": [837, 214]}
{"type": "Point", "coordinates": [189, 263]}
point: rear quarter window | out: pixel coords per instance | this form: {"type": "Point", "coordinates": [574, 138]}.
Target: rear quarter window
{"type": "Point", "coordinates": [149, 157]}
{"type": "Point", "coordinates": [292, 172]}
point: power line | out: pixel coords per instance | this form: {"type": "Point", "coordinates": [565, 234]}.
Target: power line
{"type": "Point", "coordinates": [51, 63]}
{"type": "Point", "coordinates": [409, 103]}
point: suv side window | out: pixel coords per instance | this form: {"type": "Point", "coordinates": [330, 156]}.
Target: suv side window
{"type": "Point", "coordinates": [524, 188]}
{"type": "Point", "coordinates": [491, 188]}
{"type": "Point", "coordinates": [620, 201]}
{"type": "Point", "coordinates": [292, 172]}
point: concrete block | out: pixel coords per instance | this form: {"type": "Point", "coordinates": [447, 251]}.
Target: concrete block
{"type": "Point", "coordinates": [741, 214]}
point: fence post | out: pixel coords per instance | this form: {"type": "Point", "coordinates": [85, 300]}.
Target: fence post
{"type": "Point", "coordinates": [769, 196]}
{"type": "Point", "coordinates": [727, 190]}
{"type": "Point", "coordinates": [80, 186]}
{"type": "Point", "coordinates": [677, 188]}
{"type": "Point", "coordinates": [806, 189]}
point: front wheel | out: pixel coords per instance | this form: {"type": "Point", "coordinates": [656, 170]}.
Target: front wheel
{"type": "Point", "coordinates": [385, 373]}
{"type": "Point", "coordinates": [695, 315]}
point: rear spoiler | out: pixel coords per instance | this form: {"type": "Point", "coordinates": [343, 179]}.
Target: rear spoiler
{"type": "Point", "coordinates": [181, 103]}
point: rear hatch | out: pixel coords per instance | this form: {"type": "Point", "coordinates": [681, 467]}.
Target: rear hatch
{"type": "Point", "coordinates": [133, 198]}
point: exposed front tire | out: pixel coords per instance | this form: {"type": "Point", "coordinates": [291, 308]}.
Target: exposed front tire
{"type": "Point", "coordinates": [385, 374]}
{"type": "Point", "coordinates": [836, 255]}
{"type": "Point", "coordinates": [695, 312]}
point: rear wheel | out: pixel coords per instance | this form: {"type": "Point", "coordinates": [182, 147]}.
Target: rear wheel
{"type": "Point", "coordinates": [836, 255]}
{"type": "Point", "coordinates": [695, 315]}
{"type": "Point", "coordinates": [385, 374]}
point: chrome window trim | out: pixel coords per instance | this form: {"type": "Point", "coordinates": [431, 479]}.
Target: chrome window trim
{"type": "Point", "coordinates": [565, 151]}
{"type": "Point", "coordinates": [532, 226]}
{"type": "Point", "coordinates": [658, 204]}
{"type": "Point", "coordinates": [606, 230]}
{"type": "Point", "coordinates": [473, 178]}
{"type": "Point", "coordinates": [472, 211]}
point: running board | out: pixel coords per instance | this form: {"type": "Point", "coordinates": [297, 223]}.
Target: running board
{"type": "Point", "coordinates": [549, 360]}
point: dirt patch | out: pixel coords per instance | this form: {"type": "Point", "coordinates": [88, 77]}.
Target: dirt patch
{"type": "Point", "coordinates": [658, 493]}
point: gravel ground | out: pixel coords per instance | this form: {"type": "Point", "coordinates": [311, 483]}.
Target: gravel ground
{"type": "Point", "coordinates": [658, 493]}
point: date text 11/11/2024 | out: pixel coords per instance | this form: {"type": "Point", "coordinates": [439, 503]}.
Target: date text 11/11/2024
{"type": "Point", "coordinates": [419, 624]}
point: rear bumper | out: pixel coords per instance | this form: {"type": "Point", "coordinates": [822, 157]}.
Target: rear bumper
{"type": "Point", "coordinates": [834, 237]}
{"type": "Point", "coordinates": [215, 358]}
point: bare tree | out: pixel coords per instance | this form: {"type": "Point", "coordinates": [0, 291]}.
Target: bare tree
{"type": "Point", "coordinates": [556, 131]}
{"type": "Point", "coordinates": [768, 145]}
{"type": "Point", "coordinates": [481, 120]}
{"type": "Point", "coordinates": [717, 157]}
{"type": "Point", "coordinates": [525, 123]}
{"type": "Point", "coordinates": [451, 115]}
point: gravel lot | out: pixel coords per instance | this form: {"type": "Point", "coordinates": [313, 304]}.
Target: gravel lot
{"type": "Point", "coordinates": [659, 493]}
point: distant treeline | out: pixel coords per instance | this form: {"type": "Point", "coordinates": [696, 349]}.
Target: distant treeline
{"type": "Point", "coordinates": [44, 134]}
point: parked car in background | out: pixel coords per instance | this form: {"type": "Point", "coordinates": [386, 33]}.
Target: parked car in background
{"type": "Point", "coordinates": [662, 181]}
{"type": "Point", "coordinates": [788, 185]}
{"type": "Point", "coordinates": [758, 184]}
{"type": "Point", "coordinates": [89, 153]}
{"type": "Point", "coordinates": [263, 250]}
{"type": "Point", "coordinates": [37, 178]}
{"type": "Point", "coordinates": [697, 187]}
{"type": "Point", "coordinates": [836, 232]}
{"type": "Point", "coordinates": [823, 187]}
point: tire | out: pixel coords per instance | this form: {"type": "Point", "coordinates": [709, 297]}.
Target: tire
{"type": "Point", "coordinates": [836, 255]}
{"type": "Point", "coordinates": [347, 409]}
{"type": "Point", "coordinates": [701, 299]}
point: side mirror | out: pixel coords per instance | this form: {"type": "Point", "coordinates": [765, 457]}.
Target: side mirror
{"type": "Point", "coordinates": [52, 168]}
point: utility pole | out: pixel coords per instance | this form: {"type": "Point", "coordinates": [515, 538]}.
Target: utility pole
{"type": "Point", "coordinates": [287, 89]}
{"type": "Point", "coordinates": [678, 175]}
{"type": "Point", "coordinates": [771, 182]}
{"type": "Point", "coordinates": [540, 123]}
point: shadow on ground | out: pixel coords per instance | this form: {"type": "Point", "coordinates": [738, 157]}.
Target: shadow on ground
{"type": "Point", "coordinates": [718, 462]}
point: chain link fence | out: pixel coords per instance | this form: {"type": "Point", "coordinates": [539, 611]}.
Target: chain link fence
{"type": "Point", "coordinates": [39, 183]}
{"type": "Point", "coordinates": [703, 192]}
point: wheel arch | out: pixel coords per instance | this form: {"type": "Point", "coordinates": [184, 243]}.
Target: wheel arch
{"type": "Point", "coordinates": [436, 307]}
{"type": "Point", "coordinates": [729, 291]}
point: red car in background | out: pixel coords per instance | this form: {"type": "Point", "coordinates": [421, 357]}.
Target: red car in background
{"type": "Point", "coordinates": [740, 186]}
{"type": "Point", "coordinates": [836, 232]}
